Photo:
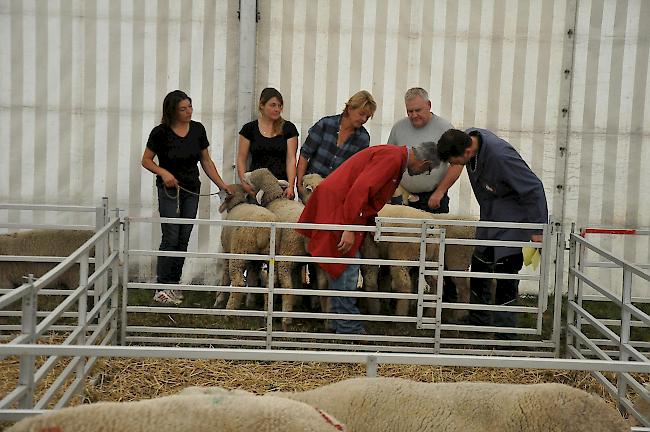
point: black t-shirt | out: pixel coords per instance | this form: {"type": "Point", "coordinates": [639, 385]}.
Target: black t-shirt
{"type": "Point", "coordinates": [179, 155]}
{"type": "Point", "coordinates": [266, 152]}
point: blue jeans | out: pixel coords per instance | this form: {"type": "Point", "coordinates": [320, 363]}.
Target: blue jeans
{"type": "Point", "coordinates": [175, 237]}
{"type": "Point", "coordinates": [346, 305]}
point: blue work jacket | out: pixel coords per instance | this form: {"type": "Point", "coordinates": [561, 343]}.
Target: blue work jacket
{"type": "Point", "coordinates": [507, 190]}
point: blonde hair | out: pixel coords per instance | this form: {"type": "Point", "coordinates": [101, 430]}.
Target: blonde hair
{"type": "Point", "coordinates": [361, 99]}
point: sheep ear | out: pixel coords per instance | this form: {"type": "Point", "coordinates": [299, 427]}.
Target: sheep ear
{"type": "Point", "coordinates": [283, 184]}
{"type": "Point", "coordinates": [412, 198]}
{"type": "Point", "coordinates": [224, 204]}
{"type": "Point", "coordinates": [258, 197]}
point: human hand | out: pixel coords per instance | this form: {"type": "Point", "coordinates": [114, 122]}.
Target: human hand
{"type": "Point", "coordinates": [248, 188]}
{"type": "Point", "coordinates": [288, 193]}
{"type": "Point", "coordinates": [347, 240]}
{"type": "Point", "coordinates": [434, 199]}
{"type": "Point", "coordinates": [228, 189]}
{"type": "Point", "coordinates": [169, 180]}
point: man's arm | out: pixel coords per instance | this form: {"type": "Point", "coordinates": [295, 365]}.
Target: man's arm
{"type": "Point", "coordinates": [452, 174]}
{"type": "Point", "coordinates": [528, 187]}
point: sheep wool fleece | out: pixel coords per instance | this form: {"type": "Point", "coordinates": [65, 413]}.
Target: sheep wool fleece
{"type": "Point", "coordinates": [394, 404]}
{"type": "Point", "coordinates": [197, 413]}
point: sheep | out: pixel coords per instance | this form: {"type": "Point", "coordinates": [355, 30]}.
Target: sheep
{"type": "Point", "coordinates": [289, 242]}
{"type": "Point", "coordinates": [309, 183]}
{"type": "Point", "coordinates": [457, 257]}
{"type": "Point", "coordinates": [57, 243]}
{"type": "Point", "coordinates": [382, 404]}
{"type": "Point", "coordinates": [242, 240]}
{"type": "Point", "coordinates": [405, 195]}
{"type": "Point", "coordinates": [400, 404]}
{"type": "Point", "coordinates": [400, 275]}
{"type": "Point", "coordinates": [197, 413]}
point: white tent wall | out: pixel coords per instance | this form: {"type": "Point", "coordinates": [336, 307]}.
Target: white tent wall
{"type": "Point", "coordinates": [83, 86]}
{"type": "Point", "coordinates": [83, 82]}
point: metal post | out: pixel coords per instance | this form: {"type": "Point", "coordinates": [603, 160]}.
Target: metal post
{"type": "Point", "coordinates": [101, 219]}
{"type": "Point", "coordinates": [371, 366]}
{"type": "Point", "coordinates": [27, 362]}
{"type": "Point", "coordinates": [542, 301]}
{"type": "Point", "coordinates": [439, 289]}
{"type": "Point", "coordinates": [125, 282]}
{"type": "Point", "coordinates": [570, 315]}
{"type": "Point", "coordinates": [626, 299]}
{"type": "Point", "coordinates": [115, 279]}
{"type": "Point", "coordinates": [269, 298]}
{"type": "Point", "coordinates": [559, 285]}
{"type": "Point", "coordinates": [421, 268]}
{"type": "Point", "coordinates": [83, 309]}
{"type": "Point", "coordinates": [582, 259]}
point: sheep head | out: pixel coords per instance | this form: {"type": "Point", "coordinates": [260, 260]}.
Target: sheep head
{"type": "Point", "coordinates": [309, 183]}
{"type": "Point", "coordinates": [239, 196]}
{"type": "Point", "coordinates": [267, 187]}
{"type": "Point", "coordinates": [407, 197]}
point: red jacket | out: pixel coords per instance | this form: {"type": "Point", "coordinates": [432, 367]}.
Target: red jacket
{"type": "Point", "coordinates": [352, 195]}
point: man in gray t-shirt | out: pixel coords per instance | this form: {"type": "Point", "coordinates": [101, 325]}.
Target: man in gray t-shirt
{"type": "Point", "coordinates": [420, 126]}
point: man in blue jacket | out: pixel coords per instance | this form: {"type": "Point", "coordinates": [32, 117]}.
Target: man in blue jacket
{"type": "Point", "coordinates": [507, 191]}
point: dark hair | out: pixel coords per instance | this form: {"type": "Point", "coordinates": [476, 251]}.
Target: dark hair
{"type": "Point", "coordinates": [170, 104]}
{"type": "Point", "coordinates": [266, 95]}
{"type": "Point", "coordinates": [453, 144]}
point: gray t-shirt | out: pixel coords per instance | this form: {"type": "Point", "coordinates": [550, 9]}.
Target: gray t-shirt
{"type": "Point", "coordinates": [403, 132]}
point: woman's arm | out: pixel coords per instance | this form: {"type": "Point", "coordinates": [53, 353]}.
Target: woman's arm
{"type": "Point", "coordinates": [300, 173]}
{"type": "Point", "coordinates": [292, 147]}
{"type": "Point", "coordinates": [148, 163]}
{"type": "Point", "coordinates": [211, 170]}
{"type": "Point", "coordinates": [242, 162]}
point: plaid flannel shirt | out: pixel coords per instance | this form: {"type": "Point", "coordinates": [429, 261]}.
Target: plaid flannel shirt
{"type": "Point", "coordinates": [320, 146]}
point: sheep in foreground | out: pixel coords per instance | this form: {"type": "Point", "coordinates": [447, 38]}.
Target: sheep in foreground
{"type": "Point", "coordinates": [242, 240]}
{"type": "Point", "coordinates": [457, 257]}
{"type": "Point", "coordinates": [399, 404]}
{"type": "Point", "coordinates": [288, 241]}
{"type": "Point", "coordinates": [396, 404]}
{"type": "Point", "coordinates": [56, 243]}
{"type": "Point", "coordinates": [196, 413]}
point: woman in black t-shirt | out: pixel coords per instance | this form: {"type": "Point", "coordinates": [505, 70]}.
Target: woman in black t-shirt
{"type": "Point", "coordinates": [270, 141]}
{"type": "Point", "coordinates": [179, 143]}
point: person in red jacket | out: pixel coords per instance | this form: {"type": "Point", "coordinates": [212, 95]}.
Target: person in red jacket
{"type": "Point", "coordinates": [353, 195]}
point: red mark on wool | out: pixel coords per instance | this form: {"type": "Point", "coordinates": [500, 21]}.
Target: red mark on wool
{"type": "Point", "coordinates": [330, 420]}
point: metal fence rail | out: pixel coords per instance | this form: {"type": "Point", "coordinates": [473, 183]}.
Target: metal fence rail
{"type": "Point", "coordinates": [424, 330]}
{"type": "Point", "coordinates": [586, 329]}
{"type": "Point", "coordinates": [71, 320]}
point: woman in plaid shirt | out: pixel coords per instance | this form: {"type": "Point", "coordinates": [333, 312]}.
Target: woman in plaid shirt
{"type": "Point", "coordinates": [333, 139]}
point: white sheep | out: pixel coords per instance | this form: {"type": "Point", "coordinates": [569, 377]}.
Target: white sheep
{"type": "Point", "coordinates": [385, 404]}
{"type": "Point", "coordinates": [197, 413]}
{"type": "Point", "coordinates": [457, 257]}
{"type": "Point", "coordinates": [309, 183]}
{"type": "Point", "coordinates": [56, 243]}
{"type": "Point", "coordinates": [288, 241]}
{"type": "Point", "coordinates": [242, 240]}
